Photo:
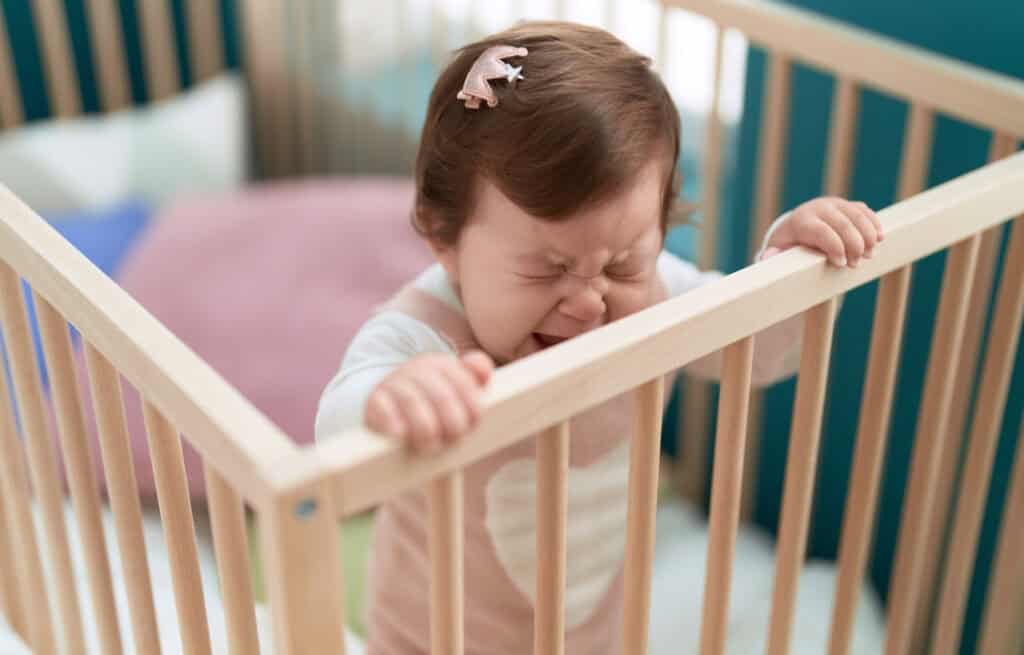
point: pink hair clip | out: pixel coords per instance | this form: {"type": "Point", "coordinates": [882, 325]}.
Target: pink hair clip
{"type": "Point", "coordinates": [489, 66]}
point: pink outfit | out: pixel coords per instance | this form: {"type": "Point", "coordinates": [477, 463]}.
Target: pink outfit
{"type": "Point", "coordinates": [499, 535]}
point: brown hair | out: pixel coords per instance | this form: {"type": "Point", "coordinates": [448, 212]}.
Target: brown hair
{"type": "Point", "coordinates": [587, 116]}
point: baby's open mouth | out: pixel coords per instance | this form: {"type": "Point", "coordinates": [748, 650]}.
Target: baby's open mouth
{"type": "Point", "coordinates": [548, 340]}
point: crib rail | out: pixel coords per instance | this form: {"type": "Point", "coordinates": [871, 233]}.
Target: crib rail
{"type": "Point", "coordinates": [958, 89]}
{"type": "Point", "coordinates": [236, 439]}
{"type": "Point", "coordinates": [300, 494]}
{"type": "Point", "coordinates": [557, 384]}
{"type": "Point", "coordinates": [551, 387]}
{"type": "Point", "coordinates": [180, 394]}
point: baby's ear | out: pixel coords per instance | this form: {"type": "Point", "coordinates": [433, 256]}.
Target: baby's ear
{"type": "Point", "coordinates": [444, 253]}
{"type": "Point", "coordinates": [447, 256]}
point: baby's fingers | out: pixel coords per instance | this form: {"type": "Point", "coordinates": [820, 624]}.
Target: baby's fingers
{"type": "Point", "coordinates": [424, 431]}
{"type": "Point", "coordinates": [873, 217]}
{"type": "Point", "coordinates": [447, 406]}
{"type": "Point", "coordinates": [864, 225]}
{"type": "Point", "coordinates": [827, 240]}
{"type": "Point", "coordinates": [480, 364]}
{"type": "Point", "coordinates": [382, 414]}
{"type": "Point", "coordinates": [853, 242]}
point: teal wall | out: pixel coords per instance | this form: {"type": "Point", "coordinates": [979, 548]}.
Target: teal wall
{"type": "Point", "coordinates": [986, 33]}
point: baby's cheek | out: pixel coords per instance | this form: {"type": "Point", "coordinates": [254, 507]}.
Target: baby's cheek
{"type": "Point", "coordinates": [634, 298]}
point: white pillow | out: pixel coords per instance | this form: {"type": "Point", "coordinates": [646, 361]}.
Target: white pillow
{"type": "Point", "coordinates": [191, 143]}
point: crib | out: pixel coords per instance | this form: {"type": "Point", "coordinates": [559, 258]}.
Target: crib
{"type": "Point", "coordinates": [299, 494]}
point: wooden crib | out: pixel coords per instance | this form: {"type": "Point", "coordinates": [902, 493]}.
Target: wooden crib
{"type": "Point", "coordinates": [300, 494]}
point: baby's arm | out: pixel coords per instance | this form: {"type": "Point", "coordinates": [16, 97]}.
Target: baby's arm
{"type": "Point", "coordinates": [776, 349]}
{"type": "Point", "coordinates": [399, 377]}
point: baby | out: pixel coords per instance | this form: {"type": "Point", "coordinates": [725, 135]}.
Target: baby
{"type": "Point", "coordinates": [545, 179]}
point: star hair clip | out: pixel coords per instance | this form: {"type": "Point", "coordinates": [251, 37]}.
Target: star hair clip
{"type": "Point", "coordinates": [489, 66]}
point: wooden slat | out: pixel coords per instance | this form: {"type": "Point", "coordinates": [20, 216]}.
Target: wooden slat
{"type": "Point", "coordinates": [645, 454]}
{"type": "Point", "coordinates": [227, 514]}
{"type": "Point", "coordinates": [299, 535]}
{"type": "Point", "coordinates": [264, 41]}
{"type": "Point", "coordinates": [108, 54]}
{"type": "Point", "coordinates": [970, 504]}
{"type": "Point", "coordinates": [122, 490]}
{"type": "Point", "coordinates": [872, 430]}
{"type": "Point", "coordinates": [838, 167]}
{"type": "Point", "coordinates": [917, 149]}
{"type": "Point", "coordinates": [561, 9]}
{"type": "Point", "coordinates": [661, 52]}
{"type": "Point", "coordinates": [242, 442]}
{"type": "Point", "coordinates": [10, 599]}
{"type": "Point", "coordinates": [303, 39]}
{"type": "Point", "coordinates": [11, 113]}
{"type": "Point", "coordinates": [438, 34]}
{"type": "Point", "coordinates": [934, 413]}
{"type": "Point", "coordinates": [770, 173]}
{"type": "Point", "coordinates": [725, 493]}
{"type": "Point", "coordinates": [556, 384]}
{"type": "Point", "coordinates": [772, 149]}
{"type": "Point", "coordinates": [179, 530]}
{"type": "Point", "coordinates": [35, 624]}
{"type": "Point", "coordinates": [81, 480]}
{"type": "Point", "coordinates": [842, 132]}
{"type": "Point", "coordinates": [693, 435]}
{"type": "Point", "coordinates": [950, 86]}
{"type": "Point", "coordinates": [158, 49]}
{"type": "Point", "coordinates": [254, 15]}
{"type": "Point", "coordinates": [58, 66]}
{"type": "Point", "coordinates": [13, 585]}
{"type": "Point", "coordinates": [446, 566]}
{"type": "Point", "coordinates": [205, 42]}
{"type": "Point", "coordinates": [42, 464]}
{"type": "Point", "coordinates": [411, 100]}
{"type": "Point", "coordinates": [967, 374]}
{"type": "Point", "coordinates": [1005, 602]}
{"type": "Point", "coordinates": [711, 174]}
{"type": "Point", "coordinates": [552, 509]}
{"type": "Point", "coordinates": [801, 465]}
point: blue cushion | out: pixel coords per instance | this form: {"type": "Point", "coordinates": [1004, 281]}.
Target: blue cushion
{"type": "Point", "coordinates": [104, 237]}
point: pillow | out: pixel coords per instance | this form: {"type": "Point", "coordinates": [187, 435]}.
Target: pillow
{"type": "Point", "coordinates": [268, 286]}
{"type": "Point", "coordinates": [187, 144]}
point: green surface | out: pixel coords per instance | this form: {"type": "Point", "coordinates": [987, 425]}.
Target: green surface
{"type": "Point", "coordinates": [354, 550]}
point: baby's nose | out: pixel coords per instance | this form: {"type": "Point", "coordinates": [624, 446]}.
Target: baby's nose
{"type": "Point", "coordinates": [586, 304]}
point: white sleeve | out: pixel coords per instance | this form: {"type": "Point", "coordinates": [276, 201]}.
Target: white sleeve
{"type": "Point", "coordinates": [382, 344]}
{"type": "Point", "coordinates": [776, 348]}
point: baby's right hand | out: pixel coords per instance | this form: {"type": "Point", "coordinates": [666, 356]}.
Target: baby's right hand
{"type": "Point", "coordinates": [430, 400]}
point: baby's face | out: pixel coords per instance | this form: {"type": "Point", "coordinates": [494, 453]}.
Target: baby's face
{"type": "Point", "coordinates": [528, 284]}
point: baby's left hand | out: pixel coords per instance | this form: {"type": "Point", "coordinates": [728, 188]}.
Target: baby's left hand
{"type": "Point", "coordinates": [843, 230]}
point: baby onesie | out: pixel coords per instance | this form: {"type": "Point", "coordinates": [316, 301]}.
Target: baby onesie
{"type": "Point", "coordinates": [500, 490]}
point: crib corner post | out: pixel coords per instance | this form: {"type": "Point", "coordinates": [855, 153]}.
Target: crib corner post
{"type": "Point", "coordinates": [299, 534]}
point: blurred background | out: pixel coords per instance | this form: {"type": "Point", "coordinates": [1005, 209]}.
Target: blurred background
{"type": "Point", "coordinates": [242, 168]}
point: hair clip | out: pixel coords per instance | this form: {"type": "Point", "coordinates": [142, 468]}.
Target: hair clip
{"type": "Point", "coordinates": [489, 66]}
